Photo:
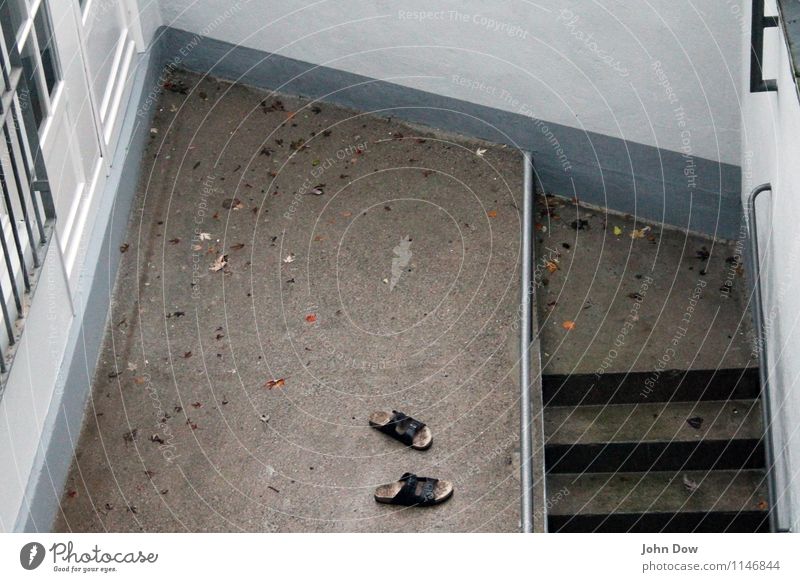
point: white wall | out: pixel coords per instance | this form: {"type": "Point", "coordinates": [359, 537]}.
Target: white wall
{"type": "Point", "coordinates": [581, 63]}
{"type": "Point", "coordinates": [770, 130]}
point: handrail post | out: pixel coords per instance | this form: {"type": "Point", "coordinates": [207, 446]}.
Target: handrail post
{"type": "Point", "coordinates": [526, 337]}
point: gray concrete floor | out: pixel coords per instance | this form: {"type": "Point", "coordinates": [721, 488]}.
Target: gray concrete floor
{"type": "Point", "coordinates": [690, 290]}
{"type": "Point", "coordinates": [304, 207]}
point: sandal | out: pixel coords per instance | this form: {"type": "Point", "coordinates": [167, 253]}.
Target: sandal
{"type": "Point", "coordinates": [405, 429]}
{"type": "Point", "coordinates": [412, 490]}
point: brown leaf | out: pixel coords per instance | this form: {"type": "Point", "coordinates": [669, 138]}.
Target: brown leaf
{"type": "Point", "coordinates": [311, 318]}
{"type": "Point", "coordinates": [568, 325]}
{"type": "Point", "coordinates": [219, 264]}
{"type": "Point", "coordinates": [237, 247]}
{"type": "Point", "coordinates": [279, 383]}
{"type": "Point", "coordinates": [232, 204]}
{"type": "Point", "coordinates": [174, 241]}
{"type": "Point", "coordinates": [492, 214]}
{"type": "Point", "coordinates": [552, 266]}
{"type": "Point", "coordinates": [124, 247]}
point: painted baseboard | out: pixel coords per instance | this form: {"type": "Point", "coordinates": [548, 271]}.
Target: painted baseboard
{"type": "Point", "coordinates": [624, 176]}
{"type": "Point", "coordinates": [63, 423]}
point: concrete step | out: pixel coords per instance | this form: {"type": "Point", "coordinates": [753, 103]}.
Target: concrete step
{"type": "Point", "coordinates": [648, 387]}
{"type": "Point", "coordinates": [654, 437]}
{"type": "Point", "coordinates": [658, 501]}
{"type": "Point", "coordinates": [653, 422]}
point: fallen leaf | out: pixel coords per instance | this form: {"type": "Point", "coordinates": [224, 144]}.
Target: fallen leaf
{"type": "Point", "coordinates": [552, 266]}
{"type": "Point", "coordinates": [187, 354]}
{"type": "Point", "coordinates": [311, 318]}
{"type": "Point", "coordinates": [568, 325]}
{"type": "Point", "coordinates": [279, 383]}
{"type": "Point", "coordinates": [492, 214]}
{"type": "Point", "coordinates": [204, 236]}
{"type": "Point", "coordinates": [197, 247]}
{"type": "Point", "coordinates": [174, 241]}
{"type": "Point", "coordinates": [124, 247]}
{"type": "Point", "coordinates": [72, 494]}
{"type": "Point", "coordinates": [480, 152]}
{"type": "Point", "coordinates": [617, 231]}
{"type": "Point", "coordinates": [219, 264]}
{"type": "Point", "coordinates": [636, 296]}
{"type": "Point", "coordinates": [695, 422]}
{"type": "Point", "coordinates": [689, 484]}
{"type": "Point", "coordinates": [289, 258]}
{"type": "Point", "coordinates": [639, 232]}
{"type": "Point", "coordinates": [237, 247]}
{"type": "Point", "coordinates": [232, 204]}
{"type": "Point", "coordinates": [762, 505]}
{"type": "Point", "coordinates": [580, 224]}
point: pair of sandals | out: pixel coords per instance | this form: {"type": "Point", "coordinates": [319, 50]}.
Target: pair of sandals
{"type": "Point", "coordinates": [409, 490]}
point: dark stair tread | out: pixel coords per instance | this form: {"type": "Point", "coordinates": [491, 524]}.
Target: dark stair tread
{"type": "Point", "coordinates": [636, 456]}
{"type": "Point", "coordinates": [684, 522]}
{"type": "Point", "coordinates": [646, 387]}
{"type": "Point", "coordinates": [740, 419]}
{"type": "Point", "coordinates": [655, 492]}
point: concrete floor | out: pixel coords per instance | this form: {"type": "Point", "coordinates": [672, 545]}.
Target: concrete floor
{"type": "Point", "coordinates": [369, 264]}
{"type": "Point", "coordinates": [662, 300]}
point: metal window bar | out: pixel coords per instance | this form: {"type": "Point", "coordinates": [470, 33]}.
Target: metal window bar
{"type": "Point", "coordinates": [27, 213]}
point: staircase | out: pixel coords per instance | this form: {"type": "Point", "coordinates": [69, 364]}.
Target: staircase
{"type": "Point", "coordinates": [679, 451]}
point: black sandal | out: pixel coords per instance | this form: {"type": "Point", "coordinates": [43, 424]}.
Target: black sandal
{"type": "Point", "coordinates": [405, 429]}
{"type": "Point", "coordinates": [411, 490]}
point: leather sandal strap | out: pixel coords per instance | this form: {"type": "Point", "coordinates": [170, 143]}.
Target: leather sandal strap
{"type": "Point", "coordinates": [416, 490]}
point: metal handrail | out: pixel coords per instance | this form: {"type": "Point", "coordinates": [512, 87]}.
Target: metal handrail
{"type": "Point", "coordinates": [763, 374]}
{"type": "Point", "coordinates": [526, 338]}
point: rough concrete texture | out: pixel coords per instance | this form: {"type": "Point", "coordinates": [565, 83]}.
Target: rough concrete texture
{"type": "Point", "coordinates": [361, 263]}
{"type": "Point", "coordinates": [636, 297]}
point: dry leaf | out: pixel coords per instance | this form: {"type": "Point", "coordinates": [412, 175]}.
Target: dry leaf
{"type": "Point", "coordinates": [204, 236]}
{"type": "Point", "coordinates": [480, 152]}
{"type": "Point", "coordinates": [568, 325]}
{"type": "Point", "coordinates": [289, 258]}
{"type": "Point", "coordinates": [219, 264]}
{"type": "Point", "coordinates": [762, 505]}
{"type": "Point", "coordinates": [279, 383]}
{"type": "Point", "coordinates": [492, 214]}
{"type": "Point", "coordinates": [237, 247]}
{"type": "Point", "coordinates": [232, 204]}
{"type": "Point", "coordinates": [617, 231]}
{"type": "Point", "coordinates": [311, 318]}
{"type": "Point", "coordinates": [197, 247]}
{"type": "Point", "coordinates": [552, 266]}
{"type": "Point", "coordinates": [640, 232]}
{"type": "Point", "coordinates": [690, 484]}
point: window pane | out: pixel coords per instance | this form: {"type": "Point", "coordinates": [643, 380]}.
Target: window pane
{"type": "Point", "coordinates": [12, 14]}
{"type": "Point", "coordinates": [32, 97]}
{"type": "Point", "coordinates": [44, 35]}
